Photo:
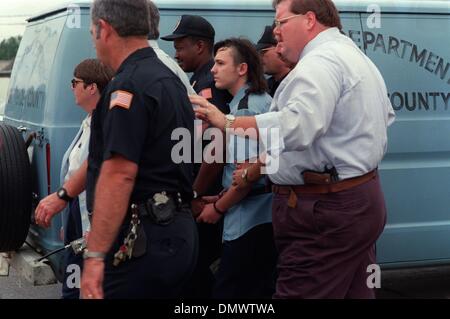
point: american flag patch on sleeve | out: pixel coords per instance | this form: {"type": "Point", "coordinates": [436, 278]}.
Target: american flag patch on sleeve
{"type": "Point", "coordinates": [121, 98]}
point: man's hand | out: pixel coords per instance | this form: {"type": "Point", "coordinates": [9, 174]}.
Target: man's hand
{"type": "Point", "coordinates": [208, 112]}
{"type": "Point", "coordinates": [92, 279]}
{"type": "Point", "coordinates": [197, 206]}
{"type": "Point", "coordinates": [47, 208]}
{"type": "Point", "coordinates": [209, 215]}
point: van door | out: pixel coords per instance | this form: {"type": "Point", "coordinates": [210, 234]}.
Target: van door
{"type": "Point", "coordinates": [410, 49]}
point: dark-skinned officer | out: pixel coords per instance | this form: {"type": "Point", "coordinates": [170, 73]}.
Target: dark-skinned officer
{"type": "Point", "coordinates": [193, 39]}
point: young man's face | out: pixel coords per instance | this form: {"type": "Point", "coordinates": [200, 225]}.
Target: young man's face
{"type": "Point", "coordinates": [186, 53]}
{"type": "Point", "coordinates": [225, 71]}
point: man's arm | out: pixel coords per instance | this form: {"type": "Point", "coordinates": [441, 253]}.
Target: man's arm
{"type": "Point", "coordinates": [112, 195]}
{"type": "Point", "coordinates": [210, 113]}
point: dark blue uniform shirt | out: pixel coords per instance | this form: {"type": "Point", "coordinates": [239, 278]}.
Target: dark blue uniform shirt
{"type": "Point", "coordinates": [135, 117]}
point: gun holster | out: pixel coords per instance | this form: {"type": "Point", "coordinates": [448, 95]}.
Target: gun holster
{"type": "Point", "coordinates": [328, 176]}
{"type": "Point", "coordinates": [161, 208]}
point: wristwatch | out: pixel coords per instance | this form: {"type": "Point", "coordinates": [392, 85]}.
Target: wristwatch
{"type": "Point", "coordinates": [62, 194]}
{"type": "Point", "coordinates": [230, 118]}
{"type": "Point", "coordinates": [93, 254]}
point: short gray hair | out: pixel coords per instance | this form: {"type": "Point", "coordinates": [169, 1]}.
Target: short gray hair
{"type": "Point", "coordinates": [153, 21]}
{"type": "Point", "coordinates": [127, 17]}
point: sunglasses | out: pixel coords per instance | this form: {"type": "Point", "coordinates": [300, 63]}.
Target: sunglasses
{"type": "Point", "coordinates": [75, 82]}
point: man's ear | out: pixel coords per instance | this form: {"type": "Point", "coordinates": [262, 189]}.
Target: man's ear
{"type": "Point", "coordinates": [243, 69]}
{"type": "Point", "coordinates": [200, 46]}
{"type": "Point", "coordinates": [104, 29]}
{"type": "Point", "coordinates": [311, 20]}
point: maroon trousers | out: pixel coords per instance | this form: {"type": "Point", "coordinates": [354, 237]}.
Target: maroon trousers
{"type": "Point", "coordinates": [326, 243]}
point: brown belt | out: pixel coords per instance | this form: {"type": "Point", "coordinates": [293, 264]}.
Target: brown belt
{"type": "Point", "coordinates": [324, 188]}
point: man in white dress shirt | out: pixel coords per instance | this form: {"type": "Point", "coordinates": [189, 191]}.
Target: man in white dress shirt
{"type": "Point", "coordinates": [332, 112]}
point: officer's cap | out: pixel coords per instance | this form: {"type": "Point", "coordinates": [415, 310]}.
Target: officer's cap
{"type": "Point", "coordinates": [267, 39]}
{"type": "Point", "coordinates": [190, 25]}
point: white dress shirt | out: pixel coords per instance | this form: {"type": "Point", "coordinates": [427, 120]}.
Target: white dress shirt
{"type": "Point", "coordinates": [75, 155]}
{"type": "Point", "coordinates": [331, 109]}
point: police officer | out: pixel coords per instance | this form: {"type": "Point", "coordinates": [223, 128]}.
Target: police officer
{"type": "Point", "coordinates": [272, 62]}
{"type": "Point", "coordinates": [148, 251]}
{"type": "Point", "coordinates": [193, 39]}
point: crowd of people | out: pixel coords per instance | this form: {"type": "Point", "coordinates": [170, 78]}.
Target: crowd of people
{"type": "Point", "coordinates": [224, 229]}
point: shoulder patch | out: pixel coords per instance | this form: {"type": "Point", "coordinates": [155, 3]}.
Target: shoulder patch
{"type": "Point", "coordinates": [206, 93]}
{"type": "Point", "coordinates": [121, 98]}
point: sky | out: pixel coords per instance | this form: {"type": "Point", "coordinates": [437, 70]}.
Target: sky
{"type": "Point", "coordinates": [13, 14]}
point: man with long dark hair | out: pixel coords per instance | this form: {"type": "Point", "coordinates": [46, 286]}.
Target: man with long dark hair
{"type": "Point", "coordinates": [248, 258]}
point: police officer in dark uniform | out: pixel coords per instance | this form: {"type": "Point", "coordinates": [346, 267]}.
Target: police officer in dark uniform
{"type": "Point", "coordinates": [143, 242]}
{"type": "Point", "coordinates": [272, 63]}
{"type": "Point", "coordinates": [193, 39]}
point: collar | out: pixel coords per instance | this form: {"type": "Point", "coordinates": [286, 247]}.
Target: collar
{"type": "Point", "coordinates": [237, 98]}
{"type": "Point", "coordinates": [153, 44]}
{"type": "Point", "coordinates": [322, 37]}
{"type": "Point", "coordinates": [136, 56]}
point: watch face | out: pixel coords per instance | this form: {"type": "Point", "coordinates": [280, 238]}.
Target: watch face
{"type": "Point", "coordinates": [61, 193]}
{"type": "Point", "coordinates": [230, 117]}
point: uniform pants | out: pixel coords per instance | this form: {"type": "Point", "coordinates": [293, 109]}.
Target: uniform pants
{"type": "Point", "coordinates": [162, 272]}
{"type": "Point", "coordinates": [72, 232]}
{"type": "Point", "coordinates": [210, 248]}
{"type": "Point", "coordinates": [327, 242]}
{"type": "Point", "coordinates": [247, 266]}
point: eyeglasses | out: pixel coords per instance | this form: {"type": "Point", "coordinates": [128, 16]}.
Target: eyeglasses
{"type": "Point", "coordinates": [75, 82]}
{"type": "Point", "coordinates": [280, 22]}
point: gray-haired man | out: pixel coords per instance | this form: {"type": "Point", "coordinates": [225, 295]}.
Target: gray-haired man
{"type": "Point", "coordinates": [143, 242]}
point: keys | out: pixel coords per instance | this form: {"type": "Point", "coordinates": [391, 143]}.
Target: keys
{"type": "Point", "coordinates": [120, 255]}
{"type": "Point", "coordinates": [126, 250]}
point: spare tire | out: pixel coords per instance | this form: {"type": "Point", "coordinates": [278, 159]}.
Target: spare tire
{"type": "Point", "coordinates": [15, 189]}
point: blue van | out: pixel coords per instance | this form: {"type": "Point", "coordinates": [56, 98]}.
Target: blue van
{"type": "Point", "coordinates": [404, 38]}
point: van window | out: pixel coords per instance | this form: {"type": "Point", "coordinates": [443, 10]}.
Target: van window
{"type": "Point", "coordinates": [33, 62]}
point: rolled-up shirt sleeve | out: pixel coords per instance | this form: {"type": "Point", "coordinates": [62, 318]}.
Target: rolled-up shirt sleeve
{"type": "Point", "coordinates": [304, 106]}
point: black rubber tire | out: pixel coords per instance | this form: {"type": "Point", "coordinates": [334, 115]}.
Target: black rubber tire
{"type": "Point", "coordinates": [15, 189]}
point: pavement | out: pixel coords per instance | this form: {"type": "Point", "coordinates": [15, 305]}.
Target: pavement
{"type": "Point", "coordinates": [15, 286]}
{"type": "Point", "coordinates": [414, 283]}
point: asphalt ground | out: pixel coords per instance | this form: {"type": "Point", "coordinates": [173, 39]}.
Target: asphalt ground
{"type": "Point", "coordinates": [16, 287]}
{"type": "Point", "coordinates": [417, 283]}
